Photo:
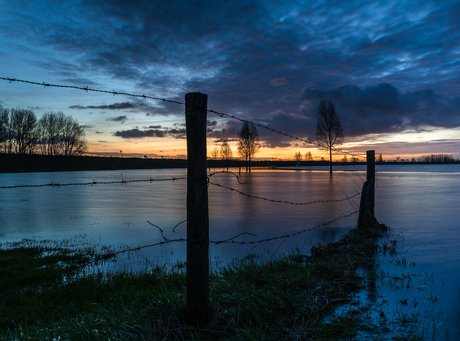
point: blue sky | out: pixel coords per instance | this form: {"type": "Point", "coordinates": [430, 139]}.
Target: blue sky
{"type": "Point", "coordinates": [390, 67]}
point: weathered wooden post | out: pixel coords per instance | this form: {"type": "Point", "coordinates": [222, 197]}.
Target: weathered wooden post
{"type": "Point", "coordinates": [371, 179]}
{"type": "Point", "coordinates": [197, 210]}
{"type": "Point", "coordinates": [367, 203]}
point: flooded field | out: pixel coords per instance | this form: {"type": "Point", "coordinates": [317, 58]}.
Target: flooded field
{"type": "Point", "coordinates": [418, 202]}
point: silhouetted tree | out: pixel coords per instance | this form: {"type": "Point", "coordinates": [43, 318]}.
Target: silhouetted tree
{"type": "Point", "coordinates": [308, 156]}
{"type": "Point", "coordinates": [226, 151]}
{"type": "Point", "coordinates": [329, 131]}
{"type": "Point", "coordinates": [50, 127]}
{"type": "Point", "coordinates": [53, 134]}
{"type": "Point", "coordinates": [17, 130]}
{"type": "Point", "coordinates": [61, 135]}
{"type": "Point", "coordinates": [248, 143]}
{"type": "Point", "coordinates": [437, 158]}
{"type": "Point", "coordinates": [73, 137]}
{"type": "Point", "coordinates": [380, 158]}
{"type": "Point", "coordinates": [214, 153]}
{"type": "Point", "coordinates": [298, 156]}
{"type": "Point", "coordinates": [6, 130]}
{"type": "Point", "coordinates": [24, 124]}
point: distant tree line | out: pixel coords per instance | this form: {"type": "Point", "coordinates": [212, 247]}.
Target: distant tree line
{"type": "Point", "coordinates": [431, 158]}
{"type": "Point", "coordinates": [437, 158]}
{"type": "Point", "coordinates": [53, 134]}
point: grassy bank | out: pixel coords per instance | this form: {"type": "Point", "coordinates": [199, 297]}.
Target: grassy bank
{"type": "Point", "coordinates": [294, 297]}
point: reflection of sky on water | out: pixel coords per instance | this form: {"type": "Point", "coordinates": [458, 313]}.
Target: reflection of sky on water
{"type": "Point", "coordinates": [421, 205]}
{"type": "Point", "coordinates": [118, 214]}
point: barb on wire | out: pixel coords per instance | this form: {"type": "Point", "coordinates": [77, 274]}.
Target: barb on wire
{"type": "Point", "coordinates": [283, 201]}
{"type": "Point", "coordinates": [113, 92]}
{"type": "Point", "coordinates": [122, 182]}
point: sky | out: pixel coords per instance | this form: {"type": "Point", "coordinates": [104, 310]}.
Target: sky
{"type": "Point", "coordinates": [391, 68]}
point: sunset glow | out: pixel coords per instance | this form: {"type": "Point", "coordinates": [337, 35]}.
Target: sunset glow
{"type": "Point", "coordinates": [391, 70]}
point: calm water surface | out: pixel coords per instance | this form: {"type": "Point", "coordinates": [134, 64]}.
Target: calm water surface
{"type": "Point", "coordinates": [419, 203]}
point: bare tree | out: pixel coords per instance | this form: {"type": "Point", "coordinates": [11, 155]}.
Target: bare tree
{"type": "Point", "coordinates": [329, 131]}
{"type": "Point", "coordinates": [24, 124]}
{"type": "Point", "coordinates": [226, 151]}
{"type": "Point", "coordinates": [73, 137]}
{"type": "Point", "coordinates": [51, 126]}
{"type": "Point", "coordinates": [214, 153]}
{"type": "Point", "coordinates": [61, 135]}
{"type": "Point", "coordinates": [9, 136]}
{"type": "Point", "coordinates": [17, 130]}
{"type": "Point", "coordinates": [248, 144]}
{"type": "Point", "coordinates": [298, 156]}
{"type": "Point", "coordinates": [308, 156]}
{"type": "Point", "coordinates": [6, 130]}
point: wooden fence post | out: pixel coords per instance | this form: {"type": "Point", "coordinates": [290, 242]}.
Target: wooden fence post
{"type": "Point", "coordinates": [371, 179]}
{"type": "Point", "coordinates": [367, 203]}
{"type": "Point", "coordinates": [197, 210]}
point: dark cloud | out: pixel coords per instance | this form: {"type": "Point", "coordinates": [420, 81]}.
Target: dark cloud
{"type": "Point", "coordinates": [387, 67]}
{"type": "Point", "coordinates": [384, 109]}
{"type": "Point", "coordinates": [99, 132]}
{"type": "Point", "coordinates": [154, 127]}
{"type": "Point", "coordinates": [115, 106]}
{"type": "Point", "coordinates": [85, 126]}
{"type": "Point", "coordinates": [139, 134]}
{"type": "Point", "coordinates": [279, 81]}
{"type": "Point", "coordinates": [121, 119]}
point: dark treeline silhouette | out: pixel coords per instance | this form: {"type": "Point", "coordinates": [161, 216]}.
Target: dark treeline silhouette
{"type": "Point", "coordinates": [437, 158]}
{"type": "Point", "coordinates": [431, 158]}
{"type": "Point", "coordinates": [53, 134]}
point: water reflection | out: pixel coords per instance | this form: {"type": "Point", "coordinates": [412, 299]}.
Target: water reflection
{"type": "Point", "coordinates": [118, 214]}
{"type": "Point", "coordinates": [419, 203]}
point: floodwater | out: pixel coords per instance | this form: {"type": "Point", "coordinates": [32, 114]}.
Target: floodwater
{"type": "Point", "coordinates": [420, 203]}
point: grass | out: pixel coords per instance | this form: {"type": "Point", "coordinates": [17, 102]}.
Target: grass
{"type": "Point", "coordinates": [292, 297]}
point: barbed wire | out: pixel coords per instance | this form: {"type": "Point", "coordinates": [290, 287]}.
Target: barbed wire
{"type": "Point", "coordinates": [221, 114]}
{"type": "Point", "coordinates": [228, 172]}
{"type": "Point", "coordinates": [113, 92]}
{"type": "Point", "coordinates": [122, 182]}
{"type": "Point", "coordinates": [288, 234]}
{"type": "Point", "coordinates": [284, 201]}
{"type": "Point", "coordinates": [109, 255]}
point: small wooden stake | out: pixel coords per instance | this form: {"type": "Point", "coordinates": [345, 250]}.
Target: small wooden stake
{"type": "Point", "coordinates": [367, 203]}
